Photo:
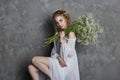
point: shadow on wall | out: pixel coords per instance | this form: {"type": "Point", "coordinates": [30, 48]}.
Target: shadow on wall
{"type": "Point", "coordinates": [48, 29]}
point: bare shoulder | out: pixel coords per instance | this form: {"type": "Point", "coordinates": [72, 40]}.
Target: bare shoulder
{"type": "Point", "coordinates": [71, 34]}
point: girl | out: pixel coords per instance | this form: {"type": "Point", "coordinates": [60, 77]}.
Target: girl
{"type": "Point", "coordinates": [63, 63]}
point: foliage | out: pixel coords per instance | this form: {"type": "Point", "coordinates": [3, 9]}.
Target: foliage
{"type": "Point", "coordinates": [85, 28]}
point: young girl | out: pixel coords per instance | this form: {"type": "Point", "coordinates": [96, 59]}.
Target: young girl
{"type": "Point", "coordinates": [63, 63]}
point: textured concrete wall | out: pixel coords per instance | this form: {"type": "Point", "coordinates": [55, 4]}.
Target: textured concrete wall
{"type": "Point", "coordinates": [24, 24]}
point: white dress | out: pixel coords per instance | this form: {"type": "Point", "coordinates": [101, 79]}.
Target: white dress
{"type": "Point", "coordinates": [68, 53]}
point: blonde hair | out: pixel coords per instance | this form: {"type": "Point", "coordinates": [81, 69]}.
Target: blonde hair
{"type": "Point", "coordinates": [63, 13]}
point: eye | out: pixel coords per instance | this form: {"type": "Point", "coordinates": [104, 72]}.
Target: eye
{"type": "Point", "coordinates": [61, 20]}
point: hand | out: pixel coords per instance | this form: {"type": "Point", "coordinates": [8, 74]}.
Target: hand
{"type": "Point", "coordinates": [61, 61]}
{"type": "Point", "coordinates": [62, 35]}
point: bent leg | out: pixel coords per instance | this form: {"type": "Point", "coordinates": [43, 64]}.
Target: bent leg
{"type": "Point", "coordinates": [42, 63]}
{"type": "Point", "coordinates": [34, 72]}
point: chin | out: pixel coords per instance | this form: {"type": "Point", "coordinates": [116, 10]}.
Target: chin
{"type": "Point", "coordinates": [62, 28]}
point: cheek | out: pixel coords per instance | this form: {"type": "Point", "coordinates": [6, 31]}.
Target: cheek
{"type": "Point", "coordinates": [65, 23]}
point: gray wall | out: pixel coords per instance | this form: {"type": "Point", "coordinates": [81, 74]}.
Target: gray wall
{"type": "Point", "coordinates": [24, 24]}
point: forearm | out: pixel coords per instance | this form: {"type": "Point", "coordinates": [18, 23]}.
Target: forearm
{"type": "Point", "coordinates": [61, 61]}
{"type": "Point", "coordinates": [59, 58]}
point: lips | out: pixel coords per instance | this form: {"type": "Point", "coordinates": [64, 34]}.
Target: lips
{"type": "Point", "coordinates": [61, 26]}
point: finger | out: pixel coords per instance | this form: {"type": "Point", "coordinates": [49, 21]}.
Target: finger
{"type": "Point", "coordinates": [62, 65]}
{"type": "Point", "coordinates": [65, 64]}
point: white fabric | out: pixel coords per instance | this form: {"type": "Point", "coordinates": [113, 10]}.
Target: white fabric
{"type": "Point", "coordinates": [68, 53]}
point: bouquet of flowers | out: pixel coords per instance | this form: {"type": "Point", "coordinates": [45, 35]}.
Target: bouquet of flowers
{"type": "Point", "coordinates": [85, 28]}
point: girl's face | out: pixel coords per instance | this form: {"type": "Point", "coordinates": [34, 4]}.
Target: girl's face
{"type": "Point", "coordinates": [61, 22]}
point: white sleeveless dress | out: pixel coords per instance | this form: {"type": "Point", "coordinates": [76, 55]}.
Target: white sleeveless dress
{"type": "Point", "coordinates": [68, 53]}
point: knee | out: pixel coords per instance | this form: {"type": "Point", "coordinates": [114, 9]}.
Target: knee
{"type": "Point", "coordinates": [34, 59]}
{"type": "Point", "coordinates": [30, 67]}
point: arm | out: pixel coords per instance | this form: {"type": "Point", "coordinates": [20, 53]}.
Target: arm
{"type": "Point", "coordinates": [54, 54]}
{"type": "Point", "coordinates": [67, 47]}
{"type": "Point", "coordinates": [61, 61]}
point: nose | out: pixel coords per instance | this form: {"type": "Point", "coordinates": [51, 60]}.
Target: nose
{"type": "Point", "coordinates": [60, 24]}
